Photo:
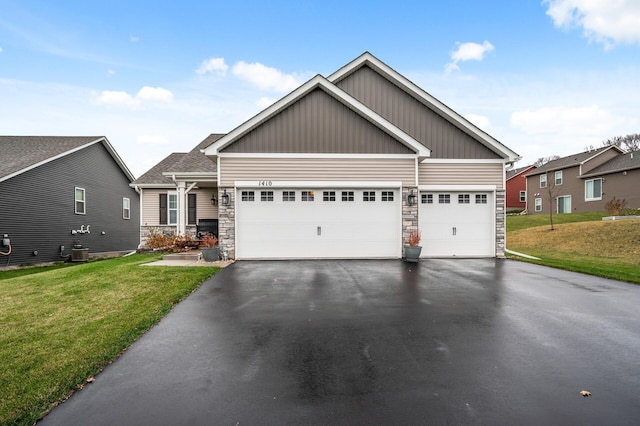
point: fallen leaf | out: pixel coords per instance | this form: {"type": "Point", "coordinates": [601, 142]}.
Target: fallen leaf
{"type": "Point", "coordinates": [90, 379]}
{"type": "Point", "coordinates": [585, 393]}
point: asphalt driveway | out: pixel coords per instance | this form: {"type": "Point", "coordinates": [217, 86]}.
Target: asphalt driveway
{"type": "Point", "coordinates": [466, 341]}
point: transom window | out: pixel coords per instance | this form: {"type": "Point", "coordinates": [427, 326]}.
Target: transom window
{"type": "Point", "coordinates": [481, 198]}
{"type": "Point", "coordinates": [248, 196]}
{"type": "Point", "coordinates": [368, 195]}
{"type": "Point", "coordinates": [543, 181]}
{"type": "Point", "coordinates": [126, 208]}
{"type": "Point", "coordinates": [559, 177]}
{"type": "Point", "coordinates": [80, 201]}
{"type": "Point", "coordinates": [593, 189]}
{"type": "Point", "coordinates": [347, 195]}
{"type": "Point", "coordinates": [464, 199]}
{"type": "Point", "coordinates": [444, 199]}
{"type": "Point", "coordinates": [329, 196]}
{"type": "Point", "coordinates": [266, 195]}
{"type": "Point", "coordinates": [427, 198]}
{"type": "Point", "coordinates": [538, 204]}
{"type": "Point", "coordinates": [288, 195]}
{"type": "Point", "coordinates": [387, 195]}
{"type": "Point", "coordinates": [307, 195]}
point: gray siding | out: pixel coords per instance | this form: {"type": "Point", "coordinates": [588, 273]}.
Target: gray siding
{"type": "Point", "coordinates": [406, 112]}
{"type": "Point", "coordinates": [38, 208]}
{"type": "Point", "coordinates": [461, 174]}
{"type": "Point", "coordinates": [318, 123]}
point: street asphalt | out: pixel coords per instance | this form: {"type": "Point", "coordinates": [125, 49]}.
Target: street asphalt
{"type": "Point", "coordinates": [444, 341]}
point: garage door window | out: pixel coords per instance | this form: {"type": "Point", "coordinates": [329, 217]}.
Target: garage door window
{"type": "Point", "coordinates": [266, 195]}
{"type": "Point", "coordinates": [444, 199]}
{"type": "Point", "coordinates": [248, 196]}
{"type": "Point", "coordinates": [464, 199]}
{"type": "Point", "coordinates": [387, 195]}
{"type": "Point", "coordinates": [347, 195]}
{"type": "Point", "coordinates": [329, 196]}
{"type": "Point", "coordinates": [307, 195]}
{"type": "Point", "coordinates": [481, 198]}
{"type": "Point", "coordinates": [369, 196]}
{"type": "Point", "coordinates": [427, 198]}
{"type": "Point", "coordinates": [288, 195]}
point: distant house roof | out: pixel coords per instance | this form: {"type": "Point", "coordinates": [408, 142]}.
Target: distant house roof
{"type": "Point", "coordinates": [621, 163]}
{"type": "Point", "coordinates": [570, 160]}
{"type": "Point", "coordinates": [19, 154]}
{"type": "Point", "coordinates": [515, 172]}
{"type": "Point", "coordinates": [193, 161]}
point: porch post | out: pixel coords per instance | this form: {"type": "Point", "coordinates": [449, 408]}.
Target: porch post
{"type": "Point", "coordinates": [182, 205]}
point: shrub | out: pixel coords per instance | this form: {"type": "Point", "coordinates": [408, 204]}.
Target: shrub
{"type": "Point", "coordinates": [414, 237]}
{"type": "Point", "coordinates": [209, 240]}
{"type": "Point", "coordinates": [616, 207]}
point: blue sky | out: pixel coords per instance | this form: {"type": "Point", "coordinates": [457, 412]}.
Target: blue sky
{"type": "Point", "coordinates": [544, 77]}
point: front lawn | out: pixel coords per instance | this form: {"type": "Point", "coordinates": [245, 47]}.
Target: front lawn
{"type": "Point", "coordinates": [59, 326]}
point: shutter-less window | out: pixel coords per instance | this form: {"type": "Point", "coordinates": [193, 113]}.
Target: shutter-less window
{"type": "Point", "coordinates": [191, 207]}
{"type": "Point", "coordinates": [163, 209]}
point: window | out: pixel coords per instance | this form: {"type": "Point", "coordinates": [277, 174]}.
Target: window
{"type": "Point", "coordinates": [481, 198]}
{"type": "Point", "coordinates": [173, 208]}
{"type": "Point", "coordinates": [347, 195]}
{"type": "Point", "coordinates": [163, 209]}
{"type": "Point", "coordinates": [248, 196]}
{"type": "Point", "coordinates": [444, 199]}
{"type": "Point", "coordinates": [559, 177]}
{"type": "Point", "coordinates": [266, 195]}
{"type": "Point", "coordinates": [593, 190]}
{"type": "Point", "coordinates": [538, 204]}
{"type": "Point", "coordinates": [307, 195]}
{"type": "Point", "coordinates": [523, 196]}
{"type": "Point", "coordinates": [543, 181]}
{"type": "Point", "coordinates": [387, 195]}
{"type": "Point", "coordinates": [369, 196]}
{"type": "Point", "coordinates": [126, 208]}
{"type": "Point", "coordinates": [329, 196]}
{"type": "Point", "coordinates": [464, 199]}
{"type": "Point", "coordinates": [80, 204]}
{"type": "Point", "coordinates": [427, 198]}
{"type": "Point", "coordinates": [564, 204]}
{"type": "Point", "coordinates": [288, 195]}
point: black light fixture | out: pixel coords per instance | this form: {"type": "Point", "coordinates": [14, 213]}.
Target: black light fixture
{"type": "Point", "coordinates": [214, 200]}
{"type": "Point", "coordinates": [411, 198]}
{"type": "Point", "coordinates": [225, 198]}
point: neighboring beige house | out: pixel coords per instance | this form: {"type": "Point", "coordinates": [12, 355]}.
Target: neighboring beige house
{"type": "Point", "coordinates": [343, 167]}
{"type": "Point", "coordinates": [585, 182]}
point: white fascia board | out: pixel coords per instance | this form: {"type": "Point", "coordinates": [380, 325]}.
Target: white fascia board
{"type": "Point", "coordinates": [338, 94]}
{"type": "Point", "coordinates": [117, 158]}
{"type": "Point", "coordinates": [313, 156]}
{"type": "Point", "coordinates": [315, 184]}
{"type": "Point", "coordinates": [190, 176]}
{"type": "Point", "coordinates": [151, 185]}
{"type": "Point", "coordinates": [490, 188]}
{"type": "Point", "coordinates": [463, 160]}
{"type": "Point", "coordinates": [429, 101]}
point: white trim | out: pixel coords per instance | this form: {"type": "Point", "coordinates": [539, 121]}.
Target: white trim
{"type": "Point", "coordinates": [128, 210]}
{"type": "Point", "coordinates": [429, 101]}
{"type": "Point", "coordinates": [455, 188]}
{"type": "Point", "coordinates": [315, 184]}
{"type": "Point", "coordinates": [83, 201]}
{"type": "Point", "coordinates": [151, 186]}
{"type": "Point", "coordinates": [462, 160]}
{"type": "Point", "coordinates": [191, 176]}
{"type": "Point", "coordinates": [314, 156]}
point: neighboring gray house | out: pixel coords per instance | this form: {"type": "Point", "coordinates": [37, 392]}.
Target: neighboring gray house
{"type": "Point", "coordinates": [56, 190]}
{"type": "Point", "coordinates": [343, 167]}
{"type": "Point", "coordinates": [585, 181]}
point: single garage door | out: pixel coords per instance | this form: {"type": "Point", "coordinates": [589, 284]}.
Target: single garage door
{"type": "Point", "coordinates": [457, 224]}
{"type": "Point", "coordinates": [292, 223]}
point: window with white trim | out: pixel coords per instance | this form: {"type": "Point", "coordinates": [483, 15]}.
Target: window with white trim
{"type": "Point", "coordinates": [427, 198]}
{"type": "Point", "coordinates": [248, 196]}
{"type": "Point", "coordinates": [538, 204]}
{"type": "Point", "coordinates": [288, 195]}
{"type": "Point", "coordinates": [126, 208]}
{"type": "Point", "coordinates": [266, 195]}
{"type": "Point", "coordinates": [173, 208]}
{"type": "Point", "coordinates": [308, 195]}
{"type": "Point", "coordinates": [593, 189]}
{"type": "Point", "coordinates": [559, 177]}
{"type": "Point", "coordinates": [523, 196]}
{"type": "Point", "coordinates": [347, 195]}
{"type": "Point", "coordinates": [444, 199]}
{"type": "Point", "coordinates": [464, 199]}
{"type": "Point", "coordinates": [80, 201]}
{"type": "Point", "coordinates": [329, 196]}
{"type": "Point", "coordinates": [368, 195]}
{"type": "Point", "coordinates": [543, 181]}
{"type": "Point", "coordinates": [481, 198]}
{"type": "Point", "coordinates": [387, 196]}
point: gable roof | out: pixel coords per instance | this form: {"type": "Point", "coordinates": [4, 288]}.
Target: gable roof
{"type": "Point", "coordinates": [319, 82]}
{"type": "Point", "coordinates": [23, 153]}
{"type": "Point", "coordinates": [621, 163]}
{"type": "Point", "coordinates": [571, 160]}
{"type": "Point", "coordinates": [515, 172]}
{"type": "Point", "coordinates": [426, 99]}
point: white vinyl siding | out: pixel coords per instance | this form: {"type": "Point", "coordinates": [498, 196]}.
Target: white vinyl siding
{"type": "Point", "coordinates": [444, 173]}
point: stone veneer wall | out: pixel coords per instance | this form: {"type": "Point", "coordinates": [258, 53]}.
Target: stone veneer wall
{"type": "Point", "coordinates": [500, 223]}
{"type": "Point", "coordinates": [227, 223]}
{"type": "Point", "coordinates": [409, 214]}
{"type": "Point", "coordinates": [165, 229]}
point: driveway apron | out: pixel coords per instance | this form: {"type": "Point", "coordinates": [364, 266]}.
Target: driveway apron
{"type": "Point", "coordinates": [444, 341]}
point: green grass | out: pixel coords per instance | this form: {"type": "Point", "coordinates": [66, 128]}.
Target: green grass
{"type": "Point", "coordinates": [580, 242]}
{"type": "Point", "coordinates": [59, 326]}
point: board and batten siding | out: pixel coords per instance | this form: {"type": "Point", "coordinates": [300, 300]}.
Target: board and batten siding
{"type": "Point", "coordinates": [234, 169]}
{"type": "Point", "coordinates": [439, 173]}
{"type": "Point", "coordinates": [151, 206]}
{"type": "Point", "coordinates": [412, 116]}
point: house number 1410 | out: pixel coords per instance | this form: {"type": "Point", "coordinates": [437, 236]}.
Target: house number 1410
{"type": "Point", "coordinates": [265, 183]}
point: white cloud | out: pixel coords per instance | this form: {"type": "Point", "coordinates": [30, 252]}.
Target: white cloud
{"type": "Point", "coordinates": [134, 39]}
{"type": "Point", "coordinates": [215, 66]}
{"type": "Point", "coordinates": [0, 49]}
{"type": "Point", "coordinates": [468, 52]}
{"type": "Point", "coordinates": [480, 121]}
{"type": "Point", "coordinates": [265, 78]}
{"type": "Point", "coordinates": [155, 94]}
{"type": "Point", "coordinates": [110, 72]}
{"type": "Point", "coordinates": [265, 102]}
{"type": "Point", "coordinates": [604, 21]}
{"type": "Point", "coordinates": [152, 140]}
{"type": "Point", "coordinates": [117, 99]}
{"type": "Point", "coordinates": [145, 95]}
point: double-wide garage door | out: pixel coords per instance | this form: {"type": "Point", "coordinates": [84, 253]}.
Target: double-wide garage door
{"type": "Point", "coordinates": [293, 223]}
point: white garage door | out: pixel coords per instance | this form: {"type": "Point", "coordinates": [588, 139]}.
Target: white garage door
{"type": "Point", "coordinates": [292, 223]}
{"type": "Point", "coordinates": [457, 224]}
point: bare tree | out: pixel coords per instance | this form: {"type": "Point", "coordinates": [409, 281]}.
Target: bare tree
{"type": "Point", "coordinates": [552, 192]}
{"type": "Point", "coordinates": [628, 143]}
{"type": "Point", "coordinates": [543, 160]}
